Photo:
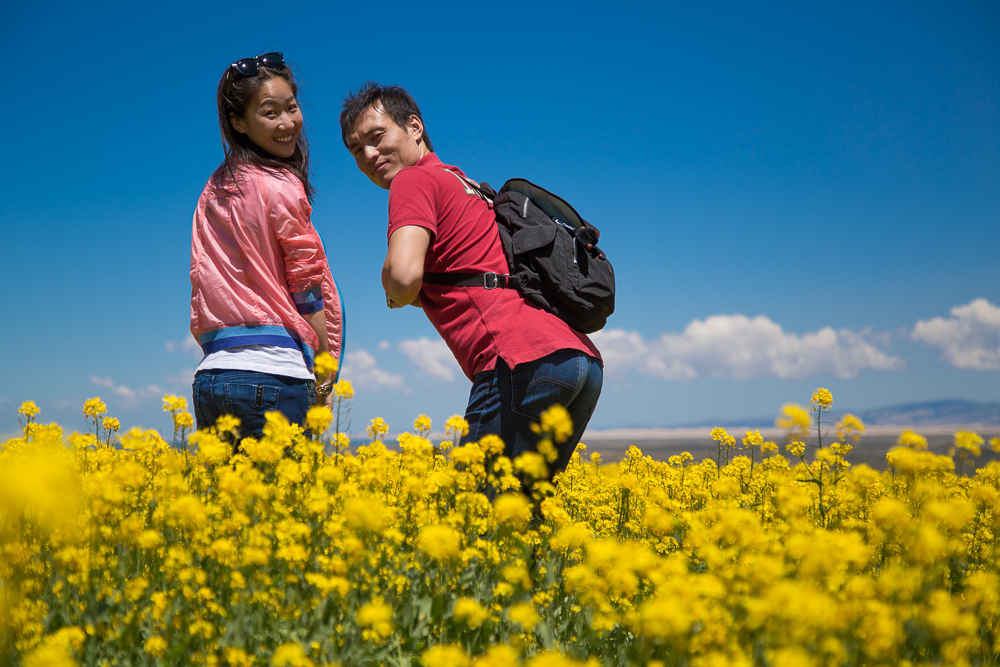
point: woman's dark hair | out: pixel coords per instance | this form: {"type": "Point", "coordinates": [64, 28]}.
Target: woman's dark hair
{"type": "Point", "coordinates": [396, 102]}
{"type": "Point", "coordinates": [233, 96]}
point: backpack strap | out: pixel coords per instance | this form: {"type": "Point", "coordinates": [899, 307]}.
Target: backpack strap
{"type": "Point", "coordinates": [488, 280]}
{"type": "Point", "coordinates": [484, 190]}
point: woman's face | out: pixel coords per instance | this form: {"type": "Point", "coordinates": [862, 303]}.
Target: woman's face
{"type": "Point", "coordinates": [273, 119]}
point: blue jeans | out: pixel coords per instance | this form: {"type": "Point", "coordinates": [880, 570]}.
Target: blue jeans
{"type": "Point", "coordinates": [248, 395]}
{"type": "Point", "coordinates": [507, 401]}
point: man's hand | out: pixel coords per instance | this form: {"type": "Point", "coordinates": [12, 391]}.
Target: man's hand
{"type": "Point", "coordinates": [403, 271]}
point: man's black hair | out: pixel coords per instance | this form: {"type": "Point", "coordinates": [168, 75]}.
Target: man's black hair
{"type": "Point", "coordinates": [396, 102]}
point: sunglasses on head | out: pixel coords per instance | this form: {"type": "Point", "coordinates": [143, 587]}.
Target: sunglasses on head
{"type": "Point", "coordinates": [250, 66]}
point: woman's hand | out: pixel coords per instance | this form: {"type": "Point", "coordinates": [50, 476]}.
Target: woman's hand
{"type": "Point", "coordinates": [324, 393]}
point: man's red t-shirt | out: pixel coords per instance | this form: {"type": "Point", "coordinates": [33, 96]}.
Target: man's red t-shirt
{"type": "Point", "coordinates": [478, 325]}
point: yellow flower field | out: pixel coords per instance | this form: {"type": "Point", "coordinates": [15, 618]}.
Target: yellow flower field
{"type": "Point", "coordinates": [125, 549]}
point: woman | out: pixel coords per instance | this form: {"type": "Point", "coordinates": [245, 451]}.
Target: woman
{"type": "Point", "coordinates": [263, 301]}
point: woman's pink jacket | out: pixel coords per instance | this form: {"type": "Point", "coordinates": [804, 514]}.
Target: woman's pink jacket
{"type": "Point", "coordinates": [258, 265]}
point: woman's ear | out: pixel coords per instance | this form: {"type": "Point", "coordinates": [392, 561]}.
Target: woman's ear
{"type": "Point", "coordinates": [238, 123]}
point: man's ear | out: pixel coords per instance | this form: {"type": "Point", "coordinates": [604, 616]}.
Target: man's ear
{"type": "Point", "coordinates": [415, 127]}
{"type": "Point", "coordinates": [238, 123]}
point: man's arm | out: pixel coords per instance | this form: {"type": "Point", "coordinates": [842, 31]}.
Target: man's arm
{"type": "Point", "coordinates": [403, 271]}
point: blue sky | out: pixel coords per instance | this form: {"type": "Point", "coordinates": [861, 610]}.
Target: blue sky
{"type": "Point", "coordinates": [793, 195]}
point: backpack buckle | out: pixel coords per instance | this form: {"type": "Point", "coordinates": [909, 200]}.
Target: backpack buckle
{"type": "Point", "coordinates": [491, 280]}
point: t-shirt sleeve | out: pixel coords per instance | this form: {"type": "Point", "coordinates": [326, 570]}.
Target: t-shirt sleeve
{"type": "Point", "coordinates": [413, 200]}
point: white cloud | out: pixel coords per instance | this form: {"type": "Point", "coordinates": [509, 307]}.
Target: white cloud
{"type": "Point", "coordinates": [740, 347]}
{"type": "Point", "coordinates": [361, 368]}
{"type": "Point", "coordinates": [970, 338]}
{"type": "Point", "coordinates": [432, 357]}
{"type": "Point", "coordinates": [188, 346]}
{"type": "Point", "coordinates": [130, 396]}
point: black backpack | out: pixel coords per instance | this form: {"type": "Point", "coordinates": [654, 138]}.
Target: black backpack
{"type": "Point", "coordinates": [552, 255]}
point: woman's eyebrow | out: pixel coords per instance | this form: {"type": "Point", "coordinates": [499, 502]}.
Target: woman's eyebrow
{"type": "Point", "coordinates": [275, 100]}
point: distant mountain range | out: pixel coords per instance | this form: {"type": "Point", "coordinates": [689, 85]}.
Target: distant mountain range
{"type": "Point", "coordinates": [934, 413]}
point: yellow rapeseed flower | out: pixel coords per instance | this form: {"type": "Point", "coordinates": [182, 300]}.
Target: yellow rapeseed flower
{"type": "Point", "coordinates": [491, 445]}
{"type": "Point", "coordinates": [969, 441]}
{"type": "Point", "coordinates": [547, 450]}
{"type": "Point", "coordinates": [50, 655]}
{"type": "Point", "coordinates": [440, 541]}
{"type": "Point", "coordinates": [279, 431]}
{"type": "Point", "coordinates": [445, 655]}
{"type": "Point", "coordinates": [531, 464]}
{"type": "Point", "coordinates": [365, 513]}
{"type": "Point", "coordinates": [686, 559]}
{"type": "Point", "coordinates": [517, 574]}
{"type": "Point", "coordinates": [290, 654]}
{"type": "Point", "coordinates": [555, 422]}
{"type": "Point", "coordinates": [523, 614]}
{"type": "Point", "coordinates": [94, 407]}
{"type": "Point", "coordinates": [796, 448]}
{"type": "Point", "coordinates": [28, 409]}
{"type": "Point", "coordinates": [318, 419]}
{"type": "Point", "coordinates": [499, 655]}
{"type": "Point", "coordinates": [720, 436]}
{"type": "Point", "coordinates": [227, 424]}
{"type": "Point", "coordinates": [173, 403]}
{"type": "Point", "coordinates": [237, 657]}
{"type": "Point", "coordinates": [422, 424]}
{"type": "Point", "coordinates": [850, 427]}
{"type": "Point", "coordinates": [156, 646]}
{"type": "Point", "coordinates": [377, 429]}
{"type": "Point", "coordinates": [794, 418]}
{"type": "Point", "coordinates": [456, 426]}
{"type": "Point", "coordinates": [183, 420]}
{"type": "Point", "coordinates": [324, 364]}
{"type": "Point", "coordinates": [376, 616]}
{"type": "Point", "coordinates": [822, 399]}
{"type": "Point", "coordinates": [343, 389]}
{"type": "Point", "coordinates": [212, 450]}
{"type": "Point", "coordinates": [512, 510]}
{"type": "Point", "coordinates": [470, 612]}
{"type": "Point", "coordinates": [664, 618]}
{"type": "Point", "coordinates": [912, 440]}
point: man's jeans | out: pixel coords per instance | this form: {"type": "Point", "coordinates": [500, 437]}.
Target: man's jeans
{"type": "Point", "coordinates": [506, 402]}
{"type": "Point", "coordinates": [248, 395]}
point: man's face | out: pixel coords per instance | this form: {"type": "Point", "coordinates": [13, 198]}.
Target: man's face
{"type": "Point", "coordinates": [381, 148]}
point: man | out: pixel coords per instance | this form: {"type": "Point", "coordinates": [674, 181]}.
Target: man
{"type": "Point", "coordinates": [521, 359]}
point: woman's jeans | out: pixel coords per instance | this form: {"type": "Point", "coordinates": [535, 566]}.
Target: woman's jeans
{"type": "Point", "coordinates": [507, 401]}
{"type": "Point", "coordinates": [248, 395]}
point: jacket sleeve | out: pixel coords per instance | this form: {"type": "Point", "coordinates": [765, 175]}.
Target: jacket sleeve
{"type": "Point", "coordinates": [336, 321]}
{"type": "Point", "coordinates": [302, 251]}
